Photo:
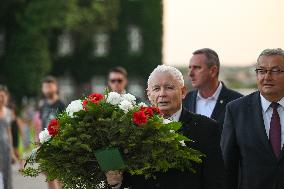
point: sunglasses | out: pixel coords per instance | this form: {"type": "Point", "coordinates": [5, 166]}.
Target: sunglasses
{"type": "Point", "coordinates": [116, 81]}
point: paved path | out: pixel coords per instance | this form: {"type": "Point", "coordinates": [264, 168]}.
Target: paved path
{"type": "Point", "coordinates": [21, 182]}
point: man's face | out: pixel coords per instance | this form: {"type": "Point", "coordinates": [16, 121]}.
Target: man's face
{"type": "Point", "coordinates": [271, 85]}
{"type": "Point", "coordinates": [117, 82]}
{"type": "Point", "coordinates": [199, 73]}
{"type": "Point", "coordinates": [49, 90]}
{"type": "Point", "coordinates": [165, 92]}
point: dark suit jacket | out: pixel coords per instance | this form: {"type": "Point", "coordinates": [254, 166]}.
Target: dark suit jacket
{"type": "Point", "coordinates": [218, 114]}
{"type": "Point", "coordinates": [249, 159]}
{"type": "Point", "coordinates": [209, 175]}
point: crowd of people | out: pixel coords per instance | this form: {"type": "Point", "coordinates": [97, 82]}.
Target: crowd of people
{"type": "Point", "coordinates": [241, 136]}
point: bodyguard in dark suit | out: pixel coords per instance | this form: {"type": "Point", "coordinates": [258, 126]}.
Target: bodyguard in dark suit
{"type": "Point", "coordinates": [210, 96]}
{"type": "Point", "coordinates": [253, 133]}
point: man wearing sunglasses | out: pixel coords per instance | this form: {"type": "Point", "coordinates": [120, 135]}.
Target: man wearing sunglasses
{"type": "Point", "coordinates": [117, 80]}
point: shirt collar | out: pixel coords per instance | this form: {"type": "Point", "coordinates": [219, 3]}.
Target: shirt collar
{"type": "Point", "coordinates": [214, 96]}
{"type": "Point", "coordinates": [265, 103]}
{"type": "Point", "coordinates": [176, 116]}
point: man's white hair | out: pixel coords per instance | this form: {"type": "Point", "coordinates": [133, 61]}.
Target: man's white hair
{"type": "Point", "coordinates": [167, 69]}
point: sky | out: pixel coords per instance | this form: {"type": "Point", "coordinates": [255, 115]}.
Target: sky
{"type": "Point", "coordinates": [238, 30]}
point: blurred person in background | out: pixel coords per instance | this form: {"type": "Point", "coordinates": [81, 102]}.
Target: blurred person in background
{"type": "Point", "coordinates": [7, 155]}
{"type": "Point", "coordinates": [17, 126]}
{"type": "Point", "coordinates": [51, 106]}
{"type": "Point", "coordinates": [26, 124]}
{"type": "Point", "coordinates": [37, 121]}
{"type": "Point", "coordinates": [51, 102]}
{"type": "Point", "coordinates": [117, 80]}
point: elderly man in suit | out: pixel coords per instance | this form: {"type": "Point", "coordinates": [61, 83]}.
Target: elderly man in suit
{"type": "Point", "coordinates": [210, 96]}
{"type": "Point", "coordinates": [166, 90]}
{"type": "Point", "coordinates": [253, 133]}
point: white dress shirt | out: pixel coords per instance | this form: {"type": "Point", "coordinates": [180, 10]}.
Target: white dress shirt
{"type": "Point", "coordinates": [175, 116]}
{"type": "Point", "coordinates": [267, 114]}
{"type": "Point", "coordinates": [205, 106]}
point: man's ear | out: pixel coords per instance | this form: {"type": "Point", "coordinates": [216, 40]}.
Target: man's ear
{"type": "Point", "coordinates": [183, 91]}
{"type": "Point", "coordinates": [214, 71]}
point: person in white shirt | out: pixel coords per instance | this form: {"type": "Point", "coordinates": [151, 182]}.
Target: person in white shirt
{"type": "Point", "coordinates": [210, 95]}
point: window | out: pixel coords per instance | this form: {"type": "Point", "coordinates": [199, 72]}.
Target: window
{"type": "Point", "coordinates": [134, 39]}
{"type": "Point", "coordinates": [65, 44]}
{"type": "Point", "coordinates": [101, 41]}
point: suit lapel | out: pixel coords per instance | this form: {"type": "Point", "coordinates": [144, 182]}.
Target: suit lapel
{"type": "Point", "coordinates": [185, 119]}
{"type": "Point", "coordinates": [221, 103]}
{"type": "Point", "coordinates": [256, 111]}
{"type": "Point", "coordinates": [282, 150]}
{"type": "Point", "coordinates": [192, 102]}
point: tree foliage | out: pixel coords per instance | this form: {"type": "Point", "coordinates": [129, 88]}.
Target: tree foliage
{"type": "Point", "coordinates": [28, 24]}
{"type": "Point", "coordinates": [147, 15]}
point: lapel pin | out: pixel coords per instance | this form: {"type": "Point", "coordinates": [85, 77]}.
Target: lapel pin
{"type": "Point", "coordinates": [221, 101]}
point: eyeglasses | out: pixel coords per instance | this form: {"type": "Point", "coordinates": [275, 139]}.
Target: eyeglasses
{"type": "Point", "coordinates": [119, 81]}
{"type": "Point", "coordinates": [272, 72]}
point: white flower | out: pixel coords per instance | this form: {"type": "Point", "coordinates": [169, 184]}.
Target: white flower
{"type": "Point", "coordinates": [142, 104]}
{"type": "Point", "coordinates": [113, 98]}
{"type": "Point", "coordinates": [125, 105]}
{"type": "Point", "coordinates": [130, 98]}
{"type": "Point", "coordinates": [102, 184]}
{"type": "Point", "coordinates": [172, 131]}
{"type": "Point", "coordinates": [182, 143]}
{"type": "Point", "coordinates": [74, 106]}
{"type": "Point", "coordinates": [44, 136]}
{"type": "Point", "coordinates": [166, 121]}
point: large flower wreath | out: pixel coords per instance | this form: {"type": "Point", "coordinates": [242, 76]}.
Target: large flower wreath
{"type": "Point", "coordinates": [113, 123]}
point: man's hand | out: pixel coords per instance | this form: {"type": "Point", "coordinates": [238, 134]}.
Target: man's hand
{"type": "Point", "coordinates": [114, 178]}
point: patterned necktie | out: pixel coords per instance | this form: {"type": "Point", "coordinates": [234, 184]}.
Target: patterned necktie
{"type": "Point", "coordinates": [275, 130]}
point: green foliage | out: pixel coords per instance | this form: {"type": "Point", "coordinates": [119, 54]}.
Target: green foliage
{"type": "Point", "coordinates": [146, 148]}
{"type": "Point", "coordinates": [27, 62]}
{"type": "Point", "coordinates": [146, 15]}
{"type": "Point", "coordinates": [29, 25]}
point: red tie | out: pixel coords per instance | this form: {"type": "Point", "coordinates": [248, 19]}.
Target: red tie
{"type": "Point", "coordinates": [275, 130]}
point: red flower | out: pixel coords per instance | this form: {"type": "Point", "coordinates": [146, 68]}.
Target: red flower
{"type": "Point", "coordinates": [148, 111]}
{"type": "Point", "coordinates": [139, 118]}
{"type": "Point", "coordinates": [156, 110]}
{"type": "Point", "coordinates": [84, 103]}
{"type": "Point", "coordinates": [53, 127]}
{"type": "Point", "coordinates": [94, 98]}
